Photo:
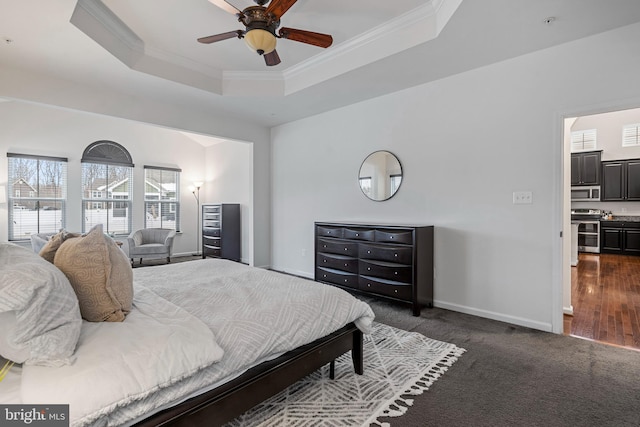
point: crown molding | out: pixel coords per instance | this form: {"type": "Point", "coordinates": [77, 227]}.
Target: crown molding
{"type": "Point", "coordinates": [417, 26]}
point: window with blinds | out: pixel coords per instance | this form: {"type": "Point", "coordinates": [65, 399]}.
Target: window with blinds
{"type": "Point", "coordinates": [36, 195]}
{"type": "Point", "coordinates": [107, 187]}
{"type": "Point", "coordinates": [583, 140]}
{"type": "Point", "coordinates": [631, 135]}
{"type": "Point", "coordinates": [162, 197]}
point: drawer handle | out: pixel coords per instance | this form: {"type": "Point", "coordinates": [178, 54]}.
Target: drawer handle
{"type": "Point", "coordinates": [324, 275]}
{"type": "Point", "coordinates": [395, 290]}
{"type": "Point", "coordinates": [368, 268]}
{"type": "Point", "coordinates": [324, 260]}
{"type": "Point", "coordinates": [346, 249]}
{"type": "Point", "coordinates": [346, 265]}
{"type": "Point", "coordinates": [368, 252]}
{"type": "Point", "coordinates": [391, 237]}
{"type": "Point", "coordinates": [324, 246]}
{"type": "Point", "coordinates": [368, 285]}
{"type": "Point", "coordinates": [346, 280]}
{"type": "Point", "coordinates": [357, 234]}
{"type": "Point", "coordinates": [396, 273]}
{"type": "Point", "coordinates": [395, 255]}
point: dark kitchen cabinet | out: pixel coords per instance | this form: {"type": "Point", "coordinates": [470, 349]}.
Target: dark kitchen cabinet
{"type": "Point", "coordinates": [585, 168]}
{"type": "Point", "coordinates": [620, 237]}
{"type": "Point", "coordinates": [621, 180]}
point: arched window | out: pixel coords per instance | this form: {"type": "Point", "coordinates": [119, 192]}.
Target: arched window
{"type": "Point", "coordinates": [107, 187]}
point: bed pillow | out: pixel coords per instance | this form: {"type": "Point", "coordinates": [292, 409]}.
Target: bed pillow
{"type": "Point", "coordinates": [39, 311]}
{"type": "Point", "coordinates": [48, 251]}
{"type": "Point", "coordinates": [100, 274]}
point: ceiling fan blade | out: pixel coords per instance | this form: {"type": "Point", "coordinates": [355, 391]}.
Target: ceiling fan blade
{"type": "Point", "coordinates": [279, 7]}
{"type": "Point", "coordinates": [309, 37]}
{"type": "Point", "coordinates": [223, 36]}
{"type": "Point", "coordinates": [271, 58]}
{"type": "Point", "coordinates": [226, 6]}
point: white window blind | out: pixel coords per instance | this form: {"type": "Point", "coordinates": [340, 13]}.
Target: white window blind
{"type": "Point", "coordinates": [37, 195]}
{"type": "Point", "coordinates": [631, 135]}
{"type": "Point", "coordinates": [583, 140]}
{"type": "Point", "coordinates": [162, 197]}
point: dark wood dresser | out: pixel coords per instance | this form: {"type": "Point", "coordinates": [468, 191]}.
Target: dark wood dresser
{"type": "Point", "coordinates": [221, 230]}
{"type": "Point", "coordinates": [390, 261]}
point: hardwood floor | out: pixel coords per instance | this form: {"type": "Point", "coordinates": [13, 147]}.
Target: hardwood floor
{"type": "Point", "coordinates": [605, 294]}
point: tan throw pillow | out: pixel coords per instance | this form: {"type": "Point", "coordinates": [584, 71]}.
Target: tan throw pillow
{"type": "Point", "coordinates": [100, 274]}
{"type": "Point", "coordinates": [48, 251]}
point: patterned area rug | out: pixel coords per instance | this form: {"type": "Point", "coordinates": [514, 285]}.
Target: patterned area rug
{"type": "Point", "coordinates": [398, 365]}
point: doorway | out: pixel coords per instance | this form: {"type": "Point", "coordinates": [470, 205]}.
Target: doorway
{"type": "Point", "coordinates": [601, 293]}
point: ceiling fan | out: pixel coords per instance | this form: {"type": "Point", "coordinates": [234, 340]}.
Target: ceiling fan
{"type": "Point", "coordinates": [260, 28]}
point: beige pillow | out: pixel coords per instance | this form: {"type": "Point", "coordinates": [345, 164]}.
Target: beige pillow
{"type": "Point", "coordinates": [48, 251]}
{"type": "Point", "coordinates": [100, 274]}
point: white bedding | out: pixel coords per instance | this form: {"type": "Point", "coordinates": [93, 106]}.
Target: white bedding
{"type": "Point", "coordinates": [252, 314]}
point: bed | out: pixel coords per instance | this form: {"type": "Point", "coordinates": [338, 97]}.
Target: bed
{"type": "Point", "coordinates": [203, 342]}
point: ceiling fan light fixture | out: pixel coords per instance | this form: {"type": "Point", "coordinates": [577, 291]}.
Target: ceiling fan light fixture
{"type": "Point", "coordinates": [261, 41]}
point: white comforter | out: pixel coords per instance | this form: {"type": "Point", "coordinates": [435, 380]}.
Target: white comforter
{"type": "Point", "coordinates": [254, 314]}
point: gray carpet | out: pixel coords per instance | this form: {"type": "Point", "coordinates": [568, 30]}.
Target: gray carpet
{"type": "Point", "coordinates": [515, 376]}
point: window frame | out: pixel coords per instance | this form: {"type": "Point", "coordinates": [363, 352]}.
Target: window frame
{"type": "Point", "coordinates": [58, 199]}
{"type": "Point", "coordinates": [173, 205]}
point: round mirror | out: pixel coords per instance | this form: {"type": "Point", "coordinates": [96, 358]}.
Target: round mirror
{"type": "Point", "coordinates": [380, 175]}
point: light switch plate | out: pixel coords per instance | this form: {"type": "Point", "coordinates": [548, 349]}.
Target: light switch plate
{"type": "Point", "coordinates": [522, 197]}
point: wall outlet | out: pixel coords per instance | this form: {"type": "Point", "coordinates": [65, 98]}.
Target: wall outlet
{"type": "Point", "coordinates": [522, 197]}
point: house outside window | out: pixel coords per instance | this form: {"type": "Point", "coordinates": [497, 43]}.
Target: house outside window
{"type": "Point", "coordinates": [44, 180]}
{"type": "Point", "coordinates": [107, 188]}
{"type": "Point", "coordinates": [162, 197]}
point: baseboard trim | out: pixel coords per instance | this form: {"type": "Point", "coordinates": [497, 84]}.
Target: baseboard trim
{"type": "Point", "coordinates": [546, 327]}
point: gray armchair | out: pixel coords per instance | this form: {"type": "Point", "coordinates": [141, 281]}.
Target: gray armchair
{"type": "Point", "coordinates": [150, 243]}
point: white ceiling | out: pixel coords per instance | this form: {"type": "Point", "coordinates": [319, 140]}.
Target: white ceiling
{"type": "Point", "coordinates": [148, 48]}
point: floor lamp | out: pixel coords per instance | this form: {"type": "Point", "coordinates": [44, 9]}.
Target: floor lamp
{"type": "Point", "coordinates": [196, 193]}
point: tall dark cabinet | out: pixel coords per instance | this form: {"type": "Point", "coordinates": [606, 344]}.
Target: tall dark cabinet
{"type": "Point", "coordinates": [221, 231]}
{"type": "Point", "coordinates": [621, 180]}
{"type": "Point", "coordinates": [394, 262]}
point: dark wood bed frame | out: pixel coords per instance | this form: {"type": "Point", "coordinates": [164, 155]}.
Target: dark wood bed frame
{"type": "Point", "coordinates": [231, 399]}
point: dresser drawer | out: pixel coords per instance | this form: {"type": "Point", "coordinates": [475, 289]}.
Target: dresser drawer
{"type": "Point", "coordinates": [338, 262]}
{"type": "Point", "coordinates": [386, 270]}
{"type": "Point", "coordinates": [211, 217]}
{"type": "Point", "coordinates": [211, 223]}
{"type": "Point", "coordinates": [387, 288]}
{"type": "Point", "coordinates": [211, 251]}
{"type": "Point", "coordinates": [210, 209]}
{"type": "Point", "coordinates": [323, 231]}
{"type": "Point", "coordinates": [338, 247]}
{"type": "Point", "coordinates": [208, 231]}
{"type": "Point", "coordinates": [356, 234]}
{"type": "Point", "coordinates": [401, 255]}
{"type": "Point", "coordinates": [211, 241]}
{"type": "Point", "coordinates": [337, 277]}
{"type": "Point", "coordinates": [394, 236]}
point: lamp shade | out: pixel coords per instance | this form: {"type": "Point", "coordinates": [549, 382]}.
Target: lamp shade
{"type": "Point", "coordinates": [261, 41]}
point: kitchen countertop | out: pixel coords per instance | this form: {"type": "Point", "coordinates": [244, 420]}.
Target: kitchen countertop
{"type": "Point", "coordinates": [629, 218]}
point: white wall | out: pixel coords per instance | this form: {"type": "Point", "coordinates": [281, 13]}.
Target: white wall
{"type": "Point", "coordinates": [228, 180]}
{"type": "Point", "coordinates": [32, 129]}
{"type": "Point", "coordinates": [466, 144]}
